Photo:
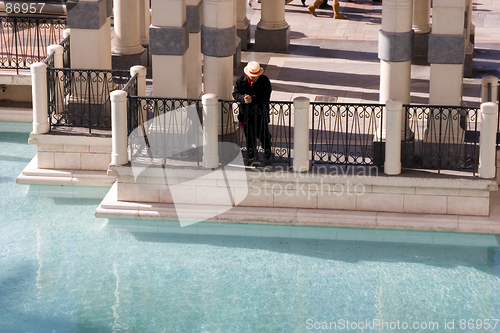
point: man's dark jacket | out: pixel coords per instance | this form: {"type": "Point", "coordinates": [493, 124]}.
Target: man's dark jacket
{"type": "Point", "coordinates": [260, 92]}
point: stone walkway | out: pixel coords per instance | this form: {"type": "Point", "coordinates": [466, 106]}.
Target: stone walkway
{"type": "Point", "coordinates": [338, 58]}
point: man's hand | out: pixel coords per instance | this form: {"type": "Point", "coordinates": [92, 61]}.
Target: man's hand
{"type": "Point", "coordinates": [247, 99]}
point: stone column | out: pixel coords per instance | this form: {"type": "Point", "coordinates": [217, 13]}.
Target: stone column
{"type": "Point", "coordinates": [242, 23]}
{"type": "Point", "coordinates": [218, 34]}
{"type": "Point", "coordinates": [447, 52]}
{"type": "Point", "coordinates": [144, 21]}
{"type": "Point", "coordinates": [90, 34]}
{"type": "Point", "coordinates": [273, 32]}
{"type": "Point", "coordinates": [168, 43]}
{"type": "Point", "coordinates": [395, 51]}
{"type": "Point", "coordinates": [469, 44]}
{"type": "Point", "coordinates": [127, 49]}
{"type": "Point", "coordinates": [487, 140]}
{"type": "Point", "coordinates": [301, 134]}
{"type": "Point", "coordinates": [193, 53]}
{"type": "Point", "coordinates": [421, 26]}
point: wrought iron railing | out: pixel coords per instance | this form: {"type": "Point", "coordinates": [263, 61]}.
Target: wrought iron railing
{"type": "Point", "coordinates": [24, 40]}
{"type": "Point", "coordinates": [131, 86]}
{"type": "Point", "coordinates": [49, 61]}
{"type": "Point", "coordinates": [165, 130]}
{"type": "Point", "coordinates": [81, 97]}
{"type": "Point", "coordinates": [440, 138]}
{"type": "Point", "coordinates": [346, 134]}
{"type": "Point", "coordinates": [249, 128]}
{"type": "Point", "coordinates": [66, 52]}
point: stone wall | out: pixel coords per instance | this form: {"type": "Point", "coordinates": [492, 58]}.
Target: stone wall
{"type": "Point", "coordinates": [416, 193]}
{"type": "Point", "coordinates": [73, 152]}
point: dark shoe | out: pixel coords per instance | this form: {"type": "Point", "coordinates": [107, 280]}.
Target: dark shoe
{"type": "Point", "coordinates": [325, 6]}
{"type": "Point", "coordinates": [303, 2]}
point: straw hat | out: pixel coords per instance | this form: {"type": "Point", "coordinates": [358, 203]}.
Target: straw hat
{"type": "Point", "coordinates": [253, 69]}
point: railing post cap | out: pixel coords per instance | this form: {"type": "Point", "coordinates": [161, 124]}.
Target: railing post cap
{"type": "Point", "coordinates": [118, 96]}
{"type": "Point", "coordinates": [58, 49]}
{"type": "Point", "coordinates": [140, 70]}
{"type": "Point", "coordinates": [209, 99]}
{"type": "Point", "coordinates": [301, 101]}
{"type": "Point", "coordinates": [489, 108]}
{"type": "Point", "coordinates": [38, 67]}
{"type": "Point", "coordinates": [393, 105]}
{"type": "Point", "coordinates": [66, 32]}
{"type": "Point", "coordinates": [489, 79]}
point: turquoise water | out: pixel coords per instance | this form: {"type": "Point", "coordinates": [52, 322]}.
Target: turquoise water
{"type": "Point", "coordinates": [63, 270]}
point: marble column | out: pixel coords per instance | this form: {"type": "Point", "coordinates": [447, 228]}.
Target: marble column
{"type": "Point", "coordinates": [218, 34]}
{"type": "Point", "coordinates": [144, 21]}
{"type": "Point", "coordinates": [273, 32]}
{"type": "Point", "coordinates": [127, 50]}
{"type": "Point", "coordinates": [193, 53]}
{"type": "Point", "coordinates": [469, 44]}
{"type": "Point", "coordinates": [422, 27]}
{"type": "Point", "coordinates": [395, 51]}
{"type": "Point", "coordinates": [242, 23]}
{"type": "Point", "coordinates": [168, 43]}
{"type": "Point", "coordinates": [90, 33]}
{"type": "Point", "coordinates": [447, 52]}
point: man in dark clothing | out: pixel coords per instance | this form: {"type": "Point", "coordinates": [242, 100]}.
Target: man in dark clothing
{"type": "Point", "coordinates": [253, 91]}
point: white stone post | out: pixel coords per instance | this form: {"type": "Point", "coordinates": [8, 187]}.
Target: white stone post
{"type": "Point", "coordinates": [394, 113]}
{"type": "Point", "coordinates": [169, 41]}
{"type": "Point", "coordinates": [66, 32]}
{"type": "Point", "coordinates": [141, 72]}
{"type": "Point", "coordinates": [58, 54]}
{"type": "Point", "coordinates": [119, 154]}
{"type": "Point", "coordinates": [422, 26]}
{"type": "Point", "coordinates": [144, 21]}
{"type": "Point", "coordinates": [210, 131]}
{"type": "Point", "coordinates": [218, 34]}
{"type": "Point", "coordinates": [90, 38]}
{"type": "Point", "coordinates": [127, 49]}
{"type": "Point", "coordinates": [193, 53]}
{"type": "Point", "coordinates": [301, 134]}
{"type": "Point", "coordinates": [489, 89]}
{"type": "Point", "coordinates": [40, 104]}
{"type": "Point", "coordinates": [447, 52]}
{"type": "Point", "coordinates": [273, 32]}
{"type": "Point", "coordinates": [487, 140]}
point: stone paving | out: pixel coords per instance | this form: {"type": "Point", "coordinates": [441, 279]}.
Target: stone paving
{"type": "Point", "coordinates": [338, 58]}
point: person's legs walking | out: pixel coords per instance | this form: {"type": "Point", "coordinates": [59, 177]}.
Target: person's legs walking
{"type": "Point", "coordinates": [313, 7]}
{"type": "Point", "coordinates": [336, 11]}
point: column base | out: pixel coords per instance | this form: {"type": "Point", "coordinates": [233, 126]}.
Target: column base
{"type": "Point", "coordinates": [468, 63]}
{"type": "Point", "coordinates": [129, 60]}
{"type": "Point", "coordinates": [272, 40]}
{"type": "Point", "coordinates": [421, 45]}
{"type": "Point", "coordinates": [244, 35]}
{"type": "Point", "coordinates": [237, 54]}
